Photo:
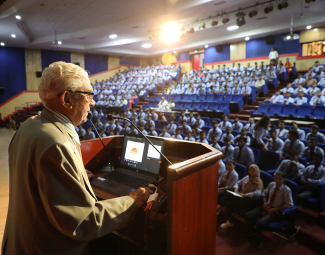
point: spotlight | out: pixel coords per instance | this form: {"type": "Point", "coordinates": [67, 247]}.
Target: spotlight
{"type": "Point", "coordinates": [247, 38]}
{"type": "Point", "coordinates": [225, 20]}
{"type": "Point", "coordinates": [266, 10]}
{"type": "Point", "coordinates": [288, 37]}
{"type": "Point", "coordinates": [308, 27]}
{"type": "Point", "coordinates": [252, 13]}
{"type": "Point", "coordinates": [18, 17]}
{"type": "Point", "coordinates": [241, 21]}
{"type": "Point", "coordinates": [13, 35]}
{"type": "Point", "coordinates": [214, 23]}
{"type": "Point", "coordinates": [232, 28]}
{"type": "Point", "coordinates": [206, 46]}
{"type": "Point", "coordinates": [2, 44]}
{"type": "Point", "coordinates": [271, 8]}
{"type": "Point", "coordinates": [285, 4]}
{"type": "Point", "coordinates": [280, 7]}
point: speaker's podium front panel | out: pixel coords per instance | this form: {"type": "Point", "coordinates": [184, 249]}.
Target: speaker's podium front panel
{"type": "Point", "coordinates": [192, 182]}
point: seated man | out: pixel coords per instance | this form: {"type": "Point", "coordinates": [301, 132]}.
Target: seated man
{"type": "Point", "coordinates": [196, 131]}
{"type": "Point", "coordinates": [247, 92]}
{"type": "Point", "coordinates": [164, 132]}
{"type": "Point", "coordinates": [199, 121]}
{"type": "Point", "coordinates": [143, 131]}
{"type": "Point", "coordinates": [299, 80]}
{"type": "Point", "coordinates": [102, 133]}
{"type": "Point", "coordinates": [126, 129]}
{"type": "Point", "coordinates": [287, 99]}
{"type": "Point", "coordinates": [81, 131]}
{"type": "Point", "coordinates": [228, 149]}
{"type": "Point", "coordinates": [242, 154]}
{"type": "Point", "coordinates": [182, 117]}
{"type": "Point", "coordinates": [215, 130]}
{"type": "Point", "coordinates": [189, 137]}
{"type": "Point", "coordinates": [228, 134]}
{"type": "Point", "coordinates": [274, 144]}
{"type": "Point", "coordinates": [312, 148]}
{"type": "Point", "coordinates": [202, 138]}
{"type": "Point", "coordinates": [313, 90]}
{"type": "Point", "coordinates": [184, 127]}
{"type": "Point", "coordinates": [140, 122]}
{"type": "Point", "coordinates": [313, 175]}
{"type": "Point", "coordinates": [98, 124]}
{"type": "Point", "coordinates": [133, 131]}
{"type": "Point", "coordinates": [320, 138]}
{"type": "Point", "coordinates": [177, 134]}
{"type": "Point", "coordinates": [95, 112]}
{"type": "Point", "coordinates": [171, 127]}
{"type": "Point", "coordinates": [291, 168]}
{"type": "Point", "coordinates": [300, 100]}
{"type": "Point", "coordinates": [300, 89]}
{"type": "Point", "coordinates": [191, 120]}
{"type": "Point", "coordinates": [289, 88]}
{"type": "Point", "coordinates": [250, 125]}
{"type": "Point", "coordinates": [317, 99]}
{"type": "Point", "coordinates": [243, 133]}
{"type": "Point", "coordinates": [154, 115]}
{"type": "Point", "coordinates": [118, 128]}
{"type": "Point", "coordinates": [236, 90]}
{"type": "Point", "coordinates": [89, 134]}
{"type": "Point", "coordinates": [292, 143]}
{"type": "Point", "coordinates": [227, 179]}
{"type": "Point", "coordinates": [271, 205]}
{"type": "Point", "coordinates": [214, 143]}
{"type": "Point", "coordinates": [276, 98]}
{"type": "Point", "coordinates": [150, 122]}
{"type": "Point", "coordinates": [259, 86]}
{"type": "Point", "coordinates": [302, 134]}
{"type": "Point", "coordinates": [224, 123]}
{"type": "Point", "coordinates": [237, 126]}
{"type": "Point", "coordinates": [162, 104]}
{"type": "Point", "coordinates": [281, 131]}
{"type": "Point", "coordinates": [152, 131]}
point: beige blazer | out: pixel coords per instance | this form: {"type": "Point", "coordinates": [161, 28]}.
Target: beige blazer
{"type": "Point", "coordinates": [52, 207]}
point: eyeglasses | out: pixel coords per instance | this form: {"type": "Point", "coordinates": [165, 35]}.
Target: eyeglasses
{"type": "Point", "coordinates": [89, 95]}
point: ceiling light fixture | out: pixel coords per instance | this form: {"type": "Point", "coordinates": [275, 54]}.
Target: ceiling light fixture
{"type": "Point", "coordinates": [59, 42]}
{"type": "Point", "coordinates": [252, 13]}
{"type": "Point", "coordinates": [315, 29]}
{"type": "Point", "coordinates": [2, 44]}
{"type": "Point", "coordinates": [146, 45]}
{"type": "Point", "coordinates": [309, 27]}
{"type": "Point", "coordinates": [231, 28]}
{"type": "Point", "coordinates": [174, 51]}
{"type": "Point", "coordinates": [195, 51]}
{"type": "Point", "coordinates": [206, 46]}
{"type": "Point", "coordinates": [13, 35]}
{"type": "Point", "coordinates": [247, 38]}
{"type": "Point", "coordinates": [113, 36]}
{"type": "Point", "coordinates": [18, 17]}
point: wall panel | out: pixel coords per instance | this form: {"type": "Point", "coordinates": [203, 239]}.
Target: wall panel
{"type": "Point", "coordinates": [77, 57]}
{"type": "Point", "coordinates": [238, 50]}
{"type": "Point", "coordinates": [95, 63]}
{"type": "Point", "coordinates": [33, 61]}
{"type": "Point", "coordinates": [50, 56]}
{"type": "Point", "coordinates": [311, 35]}
{"type": "Point", "coordinates": [106, 74]}
{"type": "Point", "coordinates": [113, 62]}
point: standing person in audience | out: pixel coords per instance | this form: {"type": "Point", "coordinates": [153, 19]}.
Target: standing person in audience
{"type": "Point", "coordinates": [292, 144]}
{"type": "Point", "coordinates": [171, 127]}
{"type": "Point", "coordinates": [184, 127]}
{"type": "Point", "coordinates": [291, 168]}
{"type": "Point", "coordinates": [302, 134]}
{"type": "Point", "coordinates": [247, 92]}
{"type": "Point", "coordinates": [299, 80]}
{"type": "Point", "coordinates": [199, 121]}
{"type": "Point", "coordinates": [89, 134]}
{"type": "Point", "coordinates": [214, 143]}
{"type": "Point", "coordinates": [250, 125]}
{"type": "Point", "coordinates": [288, 88]}
{"type": "Point", "coordinates": [301, 99]}
{"type": "Point", "coordinates": [259, 86]}
{"type": "Point", "coordinates": [308, 152]}
{"type": "Point", "coordinates": [313, 175]}
{"type": "Point", "coordinates": [164, 132]}
{"type": "Point", "coordinates": [281, 131]}
{"type": "Point", "coordinates": [152, 131]}
{"type": "Point", "coordinates": [228, 149]}
{"type": "Point", "coordinates": [196, 131]}
{"type": "Point", "coordinates": [248, 187]}
{"type": "Point", "coordinates": [237, 126]}
{"type": "Point", "coordinates": [189, 137]}
{"type": "Point", "coordinates": [228, 134]}
{"type": "Point", "coordinates": [215, 130]}
{"type": "Point", "coordinates": [191, 120]}
{"type": "Point", "coordinates": [227, 179]}
{"type": "Point", "coordinates": [224, 123]}
{"type": "Point", "coordinates": [287, 99]}
{"type": "Point", "coordinates": [162, 104]}
{"type": "Point", "coordinates": [276, 98]}
{"type": "Point", "coordinates": [170, 105]}
{"type": "Point", "coordinates": [314, 132]}
{"type": "Point", "coordinates": [274, 144]}
{"type": "Point", "coordinates": [202, 138]}
{"type": "Point", "coordinates": [177, 134]}
{"type": "Point", "coordinates": [273, 56]}
{"type": "Point", "coordinates": [260, 131]}
{"type": "Point", "coordinates": [317, 99]}
{"type": "Point", "coordinates": [243, 154]}
{"type": "Point", "coordinates": [270, 79]}
{"type": "Point", "coordinates": [276, 197]}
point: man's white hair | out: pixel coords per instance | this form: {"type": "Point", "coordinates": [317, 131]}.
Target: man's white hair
{"type": "Point", "coordinates": [59, 77]}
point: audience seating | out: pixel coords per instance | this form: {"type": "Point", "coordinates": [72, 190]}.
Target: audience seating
{"type": "Point", "coordinates": [241, 170]}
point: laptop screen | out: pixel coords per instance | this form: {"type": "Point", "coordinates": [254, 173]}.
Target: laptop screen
{"type": "Point", "coordinates": [138, 154]}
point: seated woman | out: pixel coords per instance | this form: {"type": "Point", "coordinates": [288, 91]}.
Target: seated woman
{"type": "Point", "coordinates": [228, 179]}
{"type": "Point", "coordinates": [170, 105]}
{"type": "Point", "coordinates": [161, 116]}
{"type": "Point", "coordinates": [250, 186]}
{"type": "Point", "coordinates": [276, 197]}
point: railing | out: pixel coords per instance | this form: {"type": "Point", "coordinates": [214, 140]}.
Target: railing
{"type": "Point", "coordinates": [25, 105]}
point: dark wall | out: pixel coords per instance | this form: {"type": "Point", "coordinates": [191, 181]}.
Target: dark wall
{"type": "Point", "coordinates": [50, 56]}
{"type": "Point", "coordinates": [211, 55]}
{"type": "Point", "coordinates": [95, 63]}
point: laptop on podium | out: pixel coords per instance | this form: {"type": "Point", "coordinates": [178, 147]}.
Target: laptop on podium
{"type": "Point", "coordinates": [139, 166]}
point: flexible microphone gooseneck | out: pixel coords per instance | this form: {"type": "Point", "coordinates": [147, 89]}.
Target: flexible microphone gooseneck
{"type": "Point", "coordinates": [110, 117]}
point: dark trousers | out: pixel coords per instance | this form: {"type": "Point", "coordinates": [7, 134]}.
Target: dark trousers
{"type": "Point", "coordinates": [221, 194]}
{"type": "Point", "coordinates": [306, 193]}
{"type": "Point", "coordinates": [246, 99]}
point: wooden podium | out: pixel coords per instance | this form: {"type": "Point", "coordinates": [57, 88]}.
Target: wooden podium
{"type": "Point", "coordinates": [192, 193]}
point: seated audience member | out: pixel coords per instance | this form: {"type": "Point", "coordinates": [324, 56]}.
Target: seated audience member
{"type": "Point", "coordinates": [300, 100]}
{"type": "Point", "coordinates": [171, 127]}
{"type": "Point", "coordinates": [129, 113]}
{"type": "Point", "coordinates": [177, 134]}
{"type": "Point", "coordinates": [98, 124]}
{"type": "Point", "coordinates": [196, 131]}
{"type": "Point", "coordinates": [111, 133]}
{"type": "Point", "coordinates": [100, 114]}
{"type": "Point", "coordinates": [182, 117]}
{"type": "Point", "coordinates": [202, 138]}
{"type": "Point", "coordinates": [201, 90]}
{"type": "Point", "coordinates": [222, 168]}
{"type": "Point", "coordinates": [299, 80]}
{"type": "Point", "coordinates": [131, 101]}
{"type": "Point", "coordinates": [162, 104]}
{"type": "Point", "coordinates": [161, 116]}
{"type": "Point", "coordinates": [170, 105]}
{"type": "Point", "coordinates": [250, 125]}
{"type": "Point", "coordinates": [118, 128]}
{"type": "Point", "coordinates": [215, 130]}
{"type": "Point", "coordinates": [133, 131]}
{"type": "Point", "coordinates": [150, 122]}
{"type": "Point", "coordinates": [289, 88]}
{"type": "Point", "coordinates": [224, 123]}
{"type": "Point", "coordinates": [125, 129]}
{"type": "Point", "coordinates": [184, 127]}
{"type": "Point", "coordinates": [276, 197]}
{"type": "Point", "coordinates": [228, 149]}
{"type": "Point", "coordinates": [309, 81]}
{"type": "Point", "coordinates": [313, 175]}
{"type": "Point", "coordinates": [95, 112]}
{"type": "Point", "coordinates": [164, 132]}
{"type": "Point", "coordinates": [259, 86]}
{"type": "Point", "coordinates": [317, 99]}
{"type": "Point", "coordinates": [274, 144]}
{"type": "Point", "coordinates": [242, 153]}
{"type": "Point", "coordinates": [199, 121]}
{"type": "Point", "coordinates": [143, 131]}
{"type": "Point", "coordinates": [140, 122]}
{"type": "Point", "coordinates": [154, 115]}
{"type": "Point", "coordinates": [89, 134]}
{"type": "Point", "coordinates": [148, 113]}
{"type": "Point", "coordinates": [276, 98]}
{"type": "Point", "coordinates": [248, 187]}
{"type": "Point", "coordinates": [237, 126]}
{"type": "Point", "coordinates": [288, 65]}
{"type": "Point", "coordinates": [312, 148]}
{"type": "Point", "coordinates": [152, 131]}
{"type": "Point", "coordinates": [135, 119]}
{"type": "Point", "coordinates": [189, 137]}
{"type": "Point", "coordinates": [102, 133]}
{"type": "Point", "coordinates": [281, 131]}
{"type": "Point", "coordinates": [214, 143]}
{"type": "Point", "coordinates": [291, 168]}
{"type": "Point", "coordinates": [300, 89]}
{"type": "Point", "coordinates": [81, 131]}
{"type": "Point", "coordinates": [287, 99]}
{"type": "Point", "coordinates": [191, 120]}
{"type": "Point", "coordinates": [260, 131]}
{"type": "Point", "coordinates": [227, 179]}
{"type": "Point", "coordinates": [228, 134]}
{"type": "Point", "coordinates": [302, 134]}
{"type": "Point", "coordinates": [247, 92]}
{"type": "Point", "coordinates": [313, 90]}
{"type": "Point", "coordinates": [243, 133]}
{"type": "Point", "coordinates": [292, 144]}
{"type": "Point", "coordinates": [236, 90]}
{"type": "Point", "coordinates": [112, 126]}
{"type": "Point", "coordinates": [142, 114]}
{"type": "Point", "coordinates": [314, 132]}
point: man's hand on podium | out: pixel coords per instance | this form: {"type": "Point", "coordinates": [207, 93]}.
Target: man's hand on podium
{"type": "Point", "coordinates": [141, 196]}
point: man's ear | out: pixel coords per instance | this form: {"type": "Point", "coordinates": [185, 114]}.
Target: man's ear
{"type": "Point", "coordinates": [65, 100]}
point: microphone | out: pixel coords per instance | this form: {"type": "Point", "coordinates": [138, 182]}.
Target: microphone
{"type": "Point", "coordinates": [110, 117]}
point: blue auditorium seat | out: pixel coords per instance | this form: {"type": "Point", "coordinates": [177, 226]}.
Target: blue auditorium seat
{"type": "Point", "coordinates": [288, 109]}
{"type": "Point", "coordinates": [303, 110]}
{"type": "Point", "coordinates": [216, 119]}
{"type": "Point", "coordinates": [178, 98]}
{"type": "Point", "coordinates": [179, 105]}
{"type": "Point", "coordinates": [256, 154]}
{"type": "Point", "coordinates": [319, 112]}
{"type": "Point", "coordinates": [193, 97]}
{"type": "Point", "coordinates": [209, 97]}
{"type": "Point", "coordinates": [186, 97]}
{"type": "Point", "coordinates": [263, 108]}
{"type": "Point", "coordinates": [228, 97]}
{"type": "Point", "coordinates": [201, 97]}
{"type": "Point", "coordinates": [214, 106]}
{"type": "Point", "coordinates": [206, 129]}
{"type": "Point", "coordinates": [224, 106]}
{"type": "Point", "coordinates": [240, 100]}
{"type": "Point", "coordinates": [206, 121]}
{"type": "Point", "coordinates": [274, 110]}
{"type": "Point", "coordinates": [269, 160]}
{"type": "Point", "coordinates": [195, 106]}
{"type": "Point", "coordinates": [218, 97]}
{"type": "Point", "coordinates": [241, 170]}
{"type": "Point", "coordinates": [187, 104]}
{"type": "Point", "coordinates": [306, 129]}
{"type": "Point", "coordinates": [205, 105]}
{"type": "Point", "coordinates": [266, 178]}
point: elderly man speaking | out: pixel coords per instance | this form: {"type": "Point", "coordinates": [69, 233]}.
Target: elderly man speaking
{"type": "Point", "coordinates": [52, 207]}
